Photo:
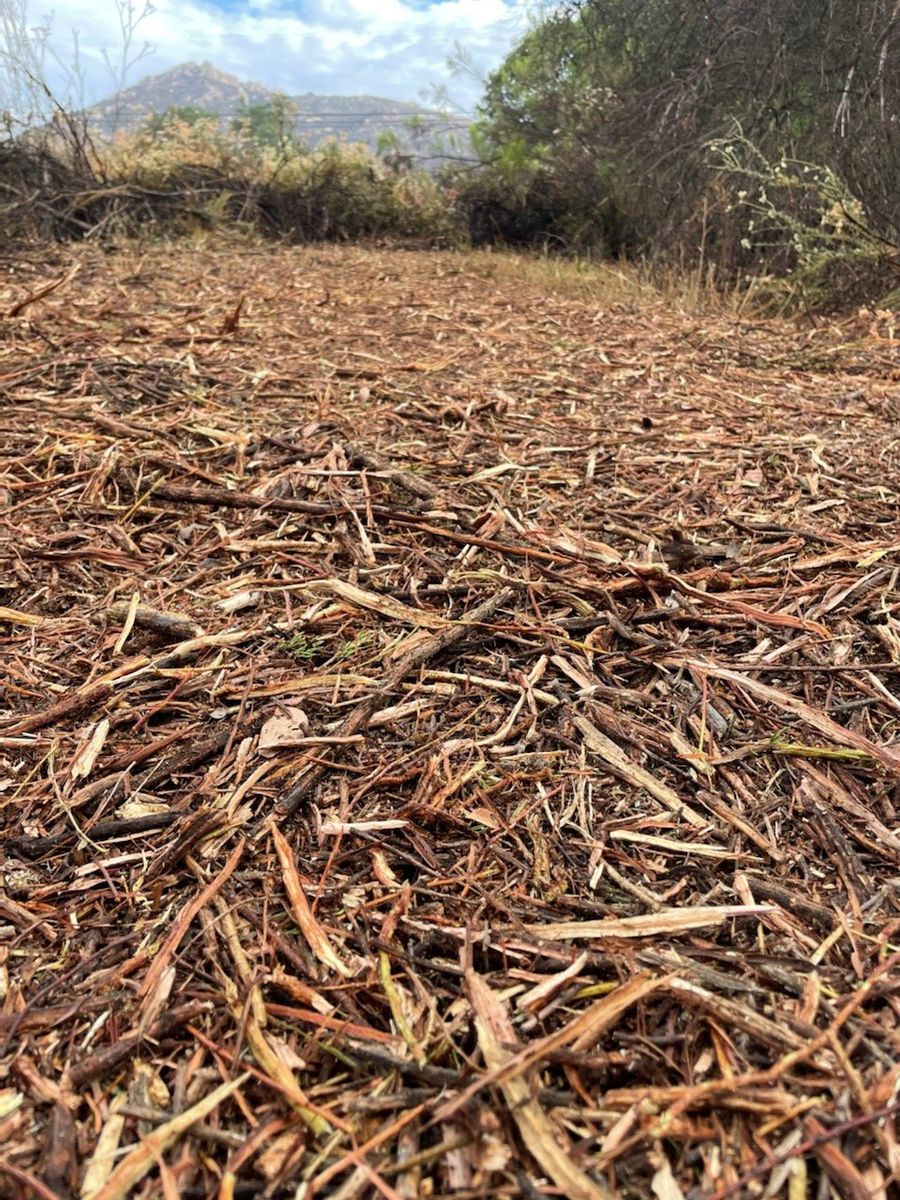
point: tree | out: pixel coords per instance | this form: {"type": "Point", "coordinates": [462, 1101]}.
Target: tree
{"type": "Point", "coordinates": [23, 97]}
{"type": "Point", "coordinates": [270, 124]}
{"type": "Point", "coordinates": [179, 114]}
{"type": "Point", "coordinates": [620, 101]}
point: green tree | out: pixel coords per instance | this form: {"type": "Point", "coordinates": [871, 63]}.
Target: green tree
{"type": "Point", "coordinates": [270, 124]}
{"type": "Point", "coordinates": [610, 107]}
{"type": "Point", "coordinates": [178, 114]}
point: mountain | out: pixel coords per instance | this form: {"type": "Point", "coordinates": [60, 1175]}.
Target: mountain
{"type": "Point", "coordinates": [318, 117]}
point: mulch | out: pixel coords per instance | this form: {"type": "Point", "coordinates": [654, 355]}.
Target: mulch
{"type": "Point", "coordinates": [450, 735]}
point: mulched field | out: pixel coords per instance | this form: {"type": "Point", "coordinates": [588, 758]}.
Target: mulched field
{"type": "Point", "coordinates": [450, 736]}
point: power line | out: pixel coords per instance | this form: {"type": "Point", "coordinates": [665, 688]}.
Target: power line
{"type": "Point", "coordinates": [314, 116]}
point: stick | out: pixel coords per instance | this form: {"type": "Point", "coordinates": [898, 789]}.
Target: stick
{"type": "Point", "coordinates": [41, 292]}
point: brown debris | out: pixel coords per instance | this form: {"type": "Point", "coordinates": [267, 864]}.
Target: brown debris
{"type": "Point", "coordinates": [449, 740]}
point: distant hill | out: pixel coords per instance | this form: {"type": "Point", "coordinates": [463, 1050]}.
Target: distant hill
{"type": "Point", "coordinates": [347, 118]}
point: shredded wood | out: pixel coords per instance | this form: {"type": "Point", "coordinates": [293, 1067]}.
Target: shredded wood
{"type": "Point", "coordinates": [450, 736]}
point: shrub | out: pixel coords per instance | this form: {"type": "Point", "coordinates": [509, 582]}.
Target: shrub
{"type": "Point", "coordinates": [611, 106]}
{"type": "Point", "coordinates": [803, 220]}
{"type": "Point", "coordinates": [185, 170]}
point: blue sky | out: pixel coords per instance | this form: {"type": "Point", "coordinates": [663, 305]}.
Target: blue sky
{"type": "Point", "coordinates": [393, 48]}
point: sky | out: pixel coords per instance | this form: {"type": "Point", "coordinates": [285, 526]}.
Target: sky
{"type": "Point", "coordinates": [392, 48]}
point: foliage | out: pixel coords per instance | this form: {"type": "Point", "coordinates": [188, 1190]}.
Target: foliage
{"type": "Point", "coordinates": [604, 111]}
{"type": "Point", "coordinates": [542, 178]}
{"type": "Point", "coordinates": [270, 125]}
{"type": "Point", "coordinates": [175, 139]}
{"type": "Point", "coordinates": [302, 646]}
{"type": "Point", "coordinates": [359, 641]}
{"type": "Point", "coordinates": [182, 175]}
{"type": "Point", "coordinates": [808, 213]}
{"type": "Point", "coordinates": [171, 119]}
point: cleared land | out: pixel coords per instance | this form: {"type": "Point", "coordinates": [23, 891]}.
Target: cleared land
{"type": "Point", "coordinates": [393, 804]}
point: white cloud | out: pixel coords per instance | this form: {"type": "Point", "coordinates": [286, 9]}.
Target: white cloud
{"type": "Point", "coordinates": [393, 48]}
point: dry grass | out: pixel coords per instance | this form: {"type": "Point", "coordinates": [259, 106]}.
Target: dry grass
{"type": "Point", "coordinates": [547, 274]}
{"type": "Point", "coordinates": [697, 292]}
{"type": "Point", "coordinates": [451, 742]}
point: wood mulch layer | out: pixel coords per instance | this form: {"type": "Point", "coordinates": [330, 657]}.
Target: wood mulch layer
{"type": "Point", "coordinates": [450, 736]}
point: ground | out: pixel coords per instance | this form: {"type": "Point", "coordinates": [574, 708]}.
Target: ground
{"type": "Point", "coordinates": [450, 735]}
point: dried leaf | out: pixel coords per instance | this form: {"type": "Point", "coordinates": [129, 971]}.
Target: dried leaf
{"type": "Point", "coordinates": [89, 750]}
{"type": "Point", "coordinates": [379, 603]}
{"type": "Point", "coordinates": [286, 729]}
{"type": "Point", "coordinates": [312, 931]}
{"type": "Point", "coordinates": [663, 1184]}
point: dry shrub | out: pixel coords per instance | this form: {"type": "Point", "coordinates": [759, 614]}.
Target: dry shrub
{"type": "Point", "coordinates": [186, 175]}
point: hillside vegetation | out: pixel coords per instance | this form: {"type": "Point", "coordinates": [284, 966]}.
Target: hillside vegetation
{"type": "Point", "coordinates": [742, 139]}
{"type": "Point", "coordinates": [199, 91]}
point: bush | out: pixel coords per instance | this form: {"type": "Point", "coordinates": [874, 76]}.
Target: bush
{"type": "Point", "coordinates": [610, 106]}
{"type": "Point", "coordinates": [177, 174]}
{"type": "Point", "coordinates": [518, 199]}
{"type": "Point", "coordinates": [803, 220]}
